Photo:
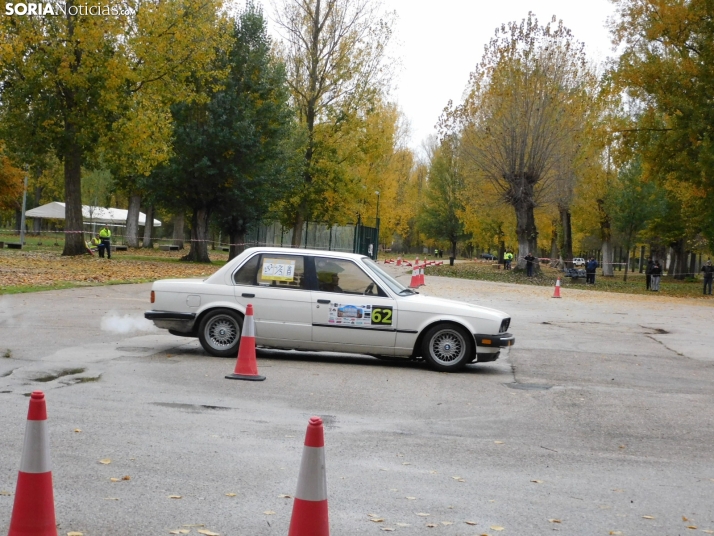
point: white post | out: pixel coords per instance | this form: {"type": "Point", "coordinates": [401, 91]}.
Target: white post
{"type": "Point", "coordinates": [22, 219]}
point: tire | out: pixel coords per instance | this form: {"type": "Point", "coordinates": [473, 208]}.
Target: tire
{"type": "Point", "coordinates": [219, 332]}
{"type": "Point", "coordinates": [447, 347]}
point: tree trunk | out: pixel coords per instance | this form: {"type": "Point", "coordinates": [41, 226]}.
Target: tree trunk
{"type": "Point", "coordinates": [178, 230]}
{"type": "Point", "coordinates": [199, 236]}
{"type": "Point", "coordinates": [692, 265]}
{"type": "Point", "coordinates": [606, 238]}
{"type": "Point", "coordinates": [525, 231]}
{"type": "Point", "coordinates": [297, 230]}
{"type": "Point", "coordinates": [148, 228]}
{"type": "Point", "coordinates": [627, 263]}
{"type": "Point", "coordinates": [237, 245]}
{"type": "Point", "coordinates": [73, 237]}
{"type": "Point", "coordinates": [453, 253]}
{"type": "Point", "coordinates": [566, 226]}
{"type": "Point", "coordinates": [132, 220]}
{"type": "Point", "coordinates": [554, 245]}
{"type": "Point", "coordinates": [676, 267]}
{"type": "Point", "coordinates": [606, 251]}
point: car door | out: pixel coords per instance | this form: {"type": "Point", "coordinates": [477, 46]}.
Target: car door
{"type": "Point", "coordinates": [350, 312]}
{"type": "Point", "coordinates": [277, 287]}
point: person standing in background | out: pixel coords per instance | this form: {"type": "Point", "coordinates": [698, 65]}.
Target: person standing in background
{"type": "Point", "coordinates": [708, 270]}
{"type": "Point", "coordinates": [648, 273]}
{"type": "Point", "coordinates": [656, 276]}
{"type": "Point", "coordinates": [106, 236]}
{"type": "Point", "coordinates": [530, 259]}
{"type": "Point", "coordinates": [590, 269]}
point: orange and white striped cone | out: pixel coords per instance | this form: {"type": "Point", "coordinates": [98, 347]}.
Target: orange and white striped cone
{"type": "Point", "coordinates": [246, 364]}
{"type": "Point", "coordinates": [309, 516]}
{"type": "Point", "coordinates": [33, 513]}
{"type": "Point", "coordinates": [414, 283]}
{"type": "Point", "coordinates": [556, 293]}
{"type": "Point", "coordinates": [399, 260]}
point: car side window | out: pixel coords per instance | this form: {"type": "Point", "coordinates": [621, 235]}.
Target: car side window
{"type": "Point", "coordinates": [343, 276]}
{"type": "Point", "coordinates": [284, 271]}
{"type": "Point", "coordinates": [245, 275]}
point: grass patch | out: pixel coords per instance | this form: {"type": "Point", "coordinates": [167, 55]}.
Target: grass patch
{"type": "Point", "coordinates": [635, 284]}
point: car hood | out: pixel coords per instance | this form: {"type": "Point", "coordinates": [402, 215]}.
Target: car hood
{"type": "Point", "coordinates": [419, 303]}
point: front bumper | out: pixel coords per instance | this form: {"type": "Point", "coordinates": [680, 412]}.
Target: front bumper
{"type": "Point", "coordinates": [180, 322]}
{"type": "Point", "coordinates": [502, 340]}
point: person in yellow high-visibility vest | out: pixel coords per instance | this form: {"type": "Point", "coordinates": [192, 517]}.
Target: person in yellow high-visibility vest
{"type": "Point", "coordinates": [508, 258]}
{"type": "Point", "coordinates": [106, 237]}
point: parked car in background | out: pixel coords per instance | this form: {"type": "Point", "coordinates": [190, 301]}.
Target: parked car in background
{"type": "Point", "coordinates": [488, 256]}
{"type": "Point", "coordinates": [326, 301]}
{"type": "Point", "coordinates": [578, 261]}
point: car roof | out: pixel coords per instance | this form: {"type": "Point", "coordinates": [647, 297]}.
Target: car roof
{"type": "Point", "coordinates": [301, 251]}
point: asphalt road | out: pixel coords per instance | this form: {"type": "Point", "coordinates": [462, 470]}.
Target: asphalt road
{"type": "Point", "coordinates": [599, 421]}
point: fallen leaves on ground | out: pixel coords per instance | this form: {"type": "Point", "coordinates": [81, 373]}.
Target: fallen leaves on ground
{"type": "Point", "coordinates": [105, 461]}
{"type": "Point", "coordinates": [175, 497]}
{"type": "Point", "coordinates": [45, 269]}
{"type": "Point", "coordinates": [207, 532]}
{"type": "Point", "coordinates": [555, 520]}
{"type": "Point", "coordinates": [497, 527]}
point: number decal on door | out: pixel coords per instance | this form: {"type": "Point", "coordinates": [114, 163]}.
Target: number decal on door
{"type": "Point", "coordinates": [381, 316]}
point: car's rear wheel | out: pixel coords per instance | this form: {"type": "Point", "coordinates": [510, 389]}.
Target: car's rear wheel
{"type": "Point", "coordinates": [447, 347]}
{"type": "Point", "coordinates": [219, 332]}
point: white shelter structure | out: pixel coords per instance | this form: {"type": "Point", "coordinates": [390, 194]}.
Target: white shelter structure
{"type": "Point", "coordinates": [91, 215]}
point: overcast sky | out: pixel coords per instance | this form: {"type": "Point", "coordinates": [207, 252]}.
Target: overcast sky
{"type": "Point", "coordinates": [441, 41]}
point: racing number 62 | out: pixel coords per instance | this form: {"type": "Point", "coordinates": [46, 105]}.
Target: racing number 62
{"type": "Point", "coordinates": [382, 315]}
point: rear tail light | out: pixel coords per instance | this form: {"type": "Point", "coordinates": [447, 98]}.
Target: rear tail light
{"type": "Point", "coordinates": [153, 297]}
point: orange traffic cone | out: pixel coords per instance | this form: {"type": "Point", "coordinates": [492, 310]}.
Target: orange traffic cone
{"type": "Point", "coordinates": [246, 365]}
{"type": "Point", "coordinates": [421, 276]}
{"type": "Point", "coordinates": [399, 260]}
{"type": "Point", "coordinates": [33, 513]}
{"type": "Point", "coordinates": [556, 293]}
{"type": "Point", "coordinates": [414, 283]}
{"type": "Point", "coordinates": [309, 516]}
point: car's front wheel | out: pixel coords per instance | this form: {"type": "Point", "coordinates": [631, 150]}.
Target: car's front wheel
{"type": "Point", "coordinates": [447, 347]}
{"type": "Point", "coordinates": [219, 332]}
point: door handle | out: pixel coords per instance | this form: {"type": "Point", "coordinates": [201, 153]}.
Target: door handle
{"type": "Point", "coordinates": [323, 301]}
{"type": "Point", "coordinates": [246, 295]}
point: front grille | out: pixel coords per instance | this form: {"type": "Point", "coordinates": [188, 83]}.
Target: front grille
{"type": "Point", "coordinates": [504, 325]}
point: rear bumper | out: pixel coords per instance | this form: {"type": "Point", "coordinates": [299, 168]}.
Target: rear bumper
{"type": "Point", "coordinates": [180, 322]}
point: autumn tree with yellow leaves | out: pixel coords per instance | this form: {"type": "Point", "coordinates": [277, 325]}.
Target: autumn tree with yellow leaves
{"type": "Point", "coordinates": [526, 104]}
{"type": "Point", "coordinates": [65, 79]}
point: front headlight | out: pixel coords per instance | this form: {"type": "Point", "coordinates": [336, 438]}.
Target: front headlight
{"type": "Point", "coordinates": [504, 325]}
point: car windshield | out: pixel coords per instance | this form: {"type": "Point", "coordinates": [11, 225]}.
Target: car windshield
{"type": "Point", "coordinates": [388, 280]}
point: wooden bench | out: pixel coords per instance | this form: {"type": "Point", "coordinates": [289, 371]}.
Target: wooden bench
{"type": "Point", "coordinates": [168, 247]}
{"type": "Point", "coordinates": [2, 245]}
{"type": "Point", "coordinates": [120, 248]}
{"type": "Point", "coordinates": [14, 245]}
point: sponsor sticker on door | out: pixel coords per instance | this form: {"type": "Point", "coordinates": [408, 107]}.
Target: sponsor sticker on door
{"type": "Point", "coordinates": [348, 314]}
